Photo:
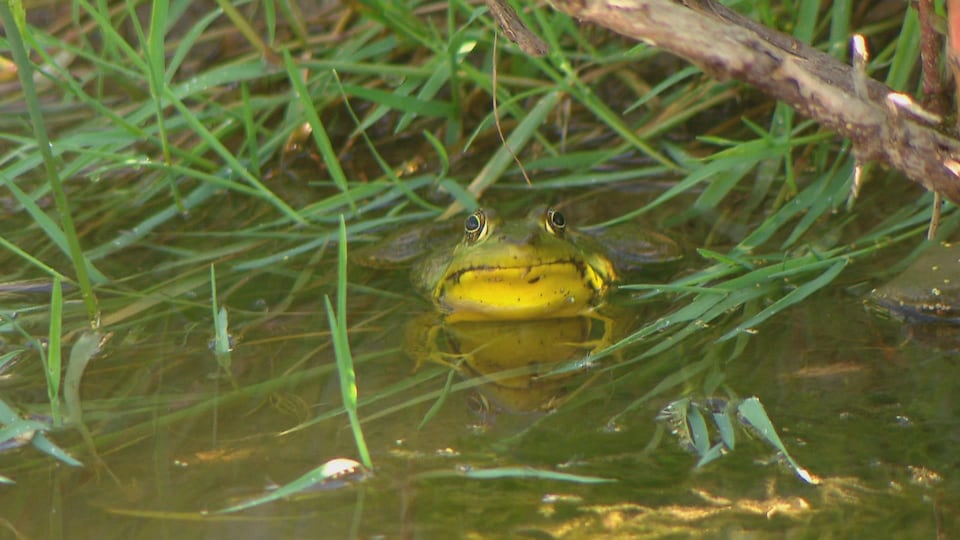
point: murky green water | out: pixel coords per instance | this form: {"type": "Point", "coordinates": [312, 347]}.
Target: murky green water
{"type": "Point", "coordinates": [865, 404]}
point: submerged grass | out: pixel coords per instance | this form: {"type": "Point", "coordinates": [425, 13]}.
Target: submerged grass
{"type": "Point", "coordinates": [184, 149]}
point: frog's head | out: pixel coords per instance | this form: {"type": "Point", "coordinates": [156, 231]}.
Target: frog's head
{"type": "Point", "coordinates": [532, 269]}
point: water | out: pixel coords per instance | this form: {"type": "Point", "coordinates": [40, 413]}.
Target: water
{"type": "Point", "coordinates": [862, 402]}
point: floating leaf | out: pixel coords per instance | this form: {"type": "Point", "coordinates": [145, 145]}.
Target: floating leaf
{"type": "Point", "coordinates": [687, 423]}
{"type": "Point", "coordinates": [751, 413]}
{"type": "Point", "coordinates": [698, 430]}
{"type": "Point", "coordinates": [720, 411]}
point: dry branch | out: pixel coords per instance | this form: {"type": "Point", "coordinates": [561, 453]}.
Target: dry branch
{"type": "Point", "coordinates": [728, 45]}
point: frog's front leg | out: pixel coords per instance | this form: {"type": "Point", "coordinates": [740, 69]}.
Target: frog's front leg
{"type": "Point", "coordinates": [422, 337]}
{"type": "Point", "coordinates": [602, 332]}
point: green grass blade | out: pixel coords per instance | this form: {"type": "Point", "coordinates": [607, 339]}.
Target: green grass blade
{"type": "Point", "coordinates": [725, 426]}
{"type": "Point", "coordinates": [156, 63]}
{"type": "Point", "coordinates": [808, 12]}
{"type": "Point", "coordinates": [753, 414]}
{"type": "Point", "coordinates": [221, 348]}
{"type": "Point", "coordinates": [394, 101]}
{"type": "Point", "coordinates": [42, 443]}
{"type": "Point", "coordinates": [517, 140]}
{"type": "Point", "coordinates": [14, 425]}
{"type": "Point", "coordinates": [187, 44]}
{"type": "Point", "coordinates": [49, 227]}
{"type": "Point", "coordinates": [441, 399]}
{"type": "Point", "coordinates": [248, 31]}
{"type": "Point", "coordinates": [698, 429]}
{"type": "Point", "coordinates": [327, 472]}
{"type": "Point", "coordinates": [13, 248]}
{"type": "Point", "coordinates": [25, 72]}
{"type": "Point", "coordinates": [52, 367]}
{"type": "Point", "coordinates": [84, 350]}
{"type": "Point", "coordinates": [319, 132]}
{"type": "Point", "coordinates": [840, 32]}
{"type": "Point", "coordinates": [789, 299]}
{"type": "Point", "coordinates": [21, 427]}
{"type": "Point", "coordinates": [522, 473]}
{"type": "Point", "coordinates": [906, 53]}
{"type": "Point", "coordinates": [341, 347]}
{"type": "Point", "coordinates": [232, 162]}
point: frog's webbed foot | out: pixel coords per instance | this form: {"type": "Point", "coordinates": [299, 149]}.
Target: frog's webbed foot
{"type": "Point", "coordinates": [424, 335]}
{"type": "Point", "coordinates": [451, 360]}
{"type": "Point", "coordinates": [602, 335]}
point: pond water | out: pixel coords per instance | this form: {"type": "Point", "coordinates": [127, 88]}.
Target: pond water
{"type": "Point", "coordinates": [865, 403]}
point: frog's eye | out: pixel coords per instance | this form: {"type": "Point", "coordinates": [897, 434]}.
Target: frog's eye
{"type": "Point", "coordinates": [555, 222]}
{"type": "Point", "coordinates": [475, 227]}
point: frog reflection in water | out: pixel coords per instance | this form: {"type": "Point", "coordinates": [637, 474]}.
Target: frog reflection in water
{"type": "Point", "coordinates": [517, 296]}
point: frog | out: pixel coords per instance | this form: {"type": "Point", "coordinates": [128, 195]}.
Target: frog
{"type": "Point", "coordinates": [536, 268]}
{"type": "Point", "coordinates": [502, 286]}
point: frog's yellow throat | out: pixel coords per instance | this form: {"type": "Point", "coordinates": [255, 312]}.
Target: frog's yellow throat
{"type": "Point", "coordinates": [548, 289]}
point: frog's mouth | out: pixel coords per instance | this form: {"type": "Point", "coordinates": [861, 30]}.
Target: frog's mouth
{"type": "Point", "coordinates": [561, 288]}
{"type": "Point", "coordinates": [539, 268]}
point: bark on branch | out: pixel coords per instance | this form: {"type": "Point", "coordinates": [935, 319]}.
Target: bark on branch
{"type": "Point", "coordinates": [728, 45]}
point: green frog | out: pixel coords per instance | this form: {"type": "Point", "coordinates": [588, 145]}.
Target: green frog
{"type": "Point", "coordinates": [503, 286]}
{"type": "Point", "coordinates": [536, 268]}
